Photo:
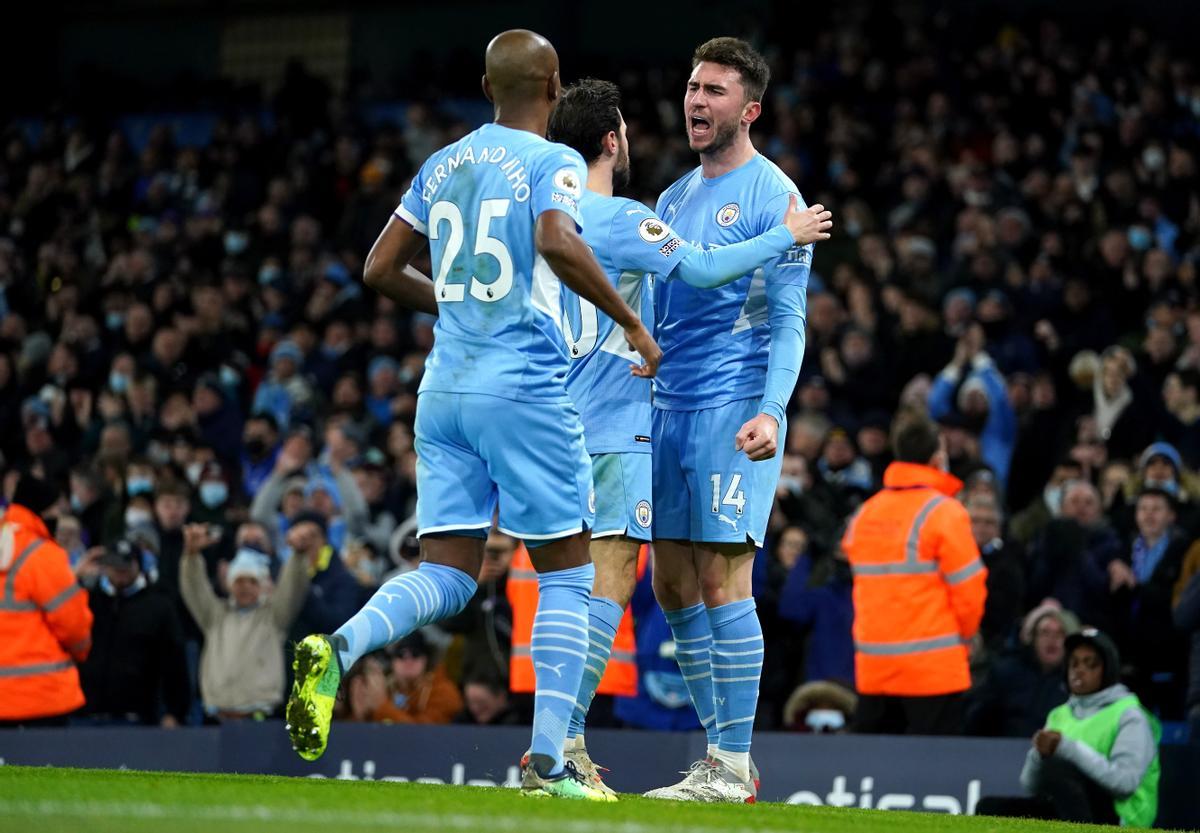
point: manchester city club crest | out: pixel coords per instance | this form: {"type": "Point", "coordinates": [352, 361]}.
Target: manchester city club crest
{"type": "Point", "coordinates": [728, 214]}
{"type": "Point", "coordinates": [643, 514]}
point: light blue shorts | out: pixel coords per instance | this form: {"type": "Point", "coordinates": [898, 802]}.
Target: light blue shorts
{"type": "Point", "coordinates": [704, 489]}
{"type": "Point", "coordinates": [474, 450]}
{"type": "Point", "coordinates": [623, 496]}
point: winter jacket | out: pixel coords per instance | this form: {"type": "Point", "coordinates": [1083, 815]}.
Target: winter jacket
{"type": "Point", "coordinates": [1015, 698]}
{"type": "Point", "coordinates": [241, 667]}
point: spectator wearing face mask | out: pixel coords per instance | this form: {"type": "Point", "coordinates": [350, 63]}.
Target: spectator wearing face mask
{"type": "Point", "coordinates": [1027, 524]}
{"type": "Point", "coordinates": [213, 499]}
{"type": "Point", "coordinates": [260, 449]}
{"type": "Point", "coordinates": [136, 671]}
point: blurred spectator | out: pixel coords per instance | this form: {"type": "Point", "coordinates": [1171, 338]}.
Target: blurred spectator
{"type": "Point", "coordinates": [1028, 524]}
{"type": "Point", "coordinates": [1069, 560]}
{"type": "Point", "coordinates": [1181, 396]}
{"type": "Point", "coordinates": [136, 672]}
{"type": "Point", "coordinates": [241, 667]}
{"type": "Point", "coordinates": [820, 707]}
{"type": "Point", "coordinates": [1142, 584]}
{"type": "Point", "coordinates": [1005, 562]}
{"type": "Point", "coordinates": [333, 593]}
{"type": "Point", "coordinates": [486, 703]}
{"type": "Point", "coordinates": [284, 389]}
{"type": "Point", "coordinates": [260, 449]}
{"type": "Point", "coordinates": [826, 613]}
{"type": "Point", "coordinates": [403, 685]}
{"type": "Point", "coordinates": [1186, 613]}
{"type": "Point", "coordinates": [1023, 685]}
{"type": "Point", "coordinates": [972, 389]}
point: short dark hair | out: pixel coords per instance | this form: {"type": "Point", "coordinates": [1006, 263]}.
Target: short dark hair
{"type": "Point", "coordinates": [735, 53]}
{"type": "Point", "coordinates": [1189, 378]}
{"type": "Point", "coordinates": [915, 439]}
{"type": "Point", "coordinates": [586, 112]}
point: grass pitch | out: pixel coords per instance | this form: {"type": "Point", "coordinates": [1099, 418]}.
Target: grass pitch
{"type": "Point", "coordinates": [48, 800]}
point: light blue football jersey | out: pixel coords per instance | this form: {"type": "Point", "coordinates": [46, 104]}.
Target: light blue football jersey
{"type": "Point", "coordinates": [478, 201]}
{"type": "Point", "coordinates": [715, 342]}
{"type": "Point", "coordinates": [634, 247]}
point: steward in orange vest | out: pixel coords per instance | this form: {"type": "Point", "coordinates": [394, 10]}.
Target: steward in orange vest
{"type": "Point", "coordinates": [620, 677]}
{"type": "Point", "coordinates": [919, 591]}
{"type": "Point", "coordinates": [45, 621]}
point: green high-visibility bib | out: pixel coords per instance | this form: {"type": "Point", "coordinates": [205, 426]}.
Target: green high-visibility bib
{"type": "Point", "coordinates": [1100, 732]}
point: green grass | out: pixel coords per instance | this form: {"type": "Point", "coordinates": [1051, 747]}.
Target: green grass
{"type": "Point", "coordinates": [48, 799]}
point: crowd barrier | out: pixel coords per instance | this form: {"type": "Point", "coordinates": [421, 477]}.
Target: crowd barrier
{"type": "Point", "coordinates": [945, 775]}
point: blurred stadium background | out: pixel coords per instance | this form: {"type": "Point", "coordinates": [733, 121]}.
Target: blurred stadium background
{"type": "Point", "coordinates": [186, 185]}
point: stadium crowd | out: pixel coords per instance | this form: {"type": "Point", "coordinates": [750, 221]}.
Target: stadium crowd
{"type": "Point", "coordinates": [187, 353]}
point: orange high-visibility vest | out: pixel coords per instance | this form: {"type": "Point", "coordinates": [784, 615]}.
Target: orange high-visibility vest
{"type": "Point", "coordinates": [45, 622]}
{"type": "Point", "coordinates": [620, 677]}
{"type": "Point", "coordinates": [919, 585]}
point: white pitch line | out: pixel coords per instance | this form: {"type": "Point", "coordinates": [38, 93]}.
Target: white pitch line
{"type": "Point", "coordinates": [353, 818]}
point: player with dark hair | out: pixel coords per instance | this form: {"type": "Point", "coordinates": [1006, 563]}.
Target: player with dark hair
{"type": "Point", "coordinates": [636, 248]}
{"type": "Point", "coordinates": [732, 358]}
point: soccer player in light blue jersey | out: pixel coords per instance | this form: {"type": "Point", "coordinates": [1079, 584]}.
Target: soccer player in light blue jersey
{"type": "Point", "coordinates": [635, 247]}
{"type": "Point", "coordinates": [731, 356]}
{"type": "Point", "coordinates": [500, 211]}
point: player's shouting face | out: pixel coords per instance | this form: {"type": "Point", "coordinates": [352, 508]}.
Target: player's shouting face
{"type": "Point", "coordinates": [715, 107]}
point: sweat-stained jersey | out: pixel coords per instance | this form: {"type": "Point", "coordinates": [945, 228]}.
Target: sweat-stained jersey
{"type": "Point", "coordinates": [478, 201]}
{"type": "Point", "coordinates": [715, 341]}
{"type": "Point", "coordinates": [636, 249]}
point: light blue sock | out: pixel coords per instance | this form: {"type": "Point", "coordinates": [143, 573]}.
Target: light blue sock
{"type": "Point", "coordinates": [404, 603]}
{"type": "Point", "coordinates": [693, 639]}
{"type": "Point", "coordinates": [737, 658]}
{"type": "Point", "coordinates": [559, 648]}
{"type": "Point", "coordinates": [604, 616]}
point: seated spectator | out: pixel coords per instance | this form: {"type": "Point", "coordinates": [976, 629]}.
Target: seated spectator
{"type": "Point", "coordinates": [1005, 562]}
{"type": "Point", "coordinates": [1181, 395]}
{"type": "Point", "coordinates": [136, 672]}
{"type": "Point", "coordinates": [1142, 582]}
{"type": "Point", "coordinates": [1096, 760]}
{"type": "Point", "coordinates": [284, 389]}
{"type": "Point", "coordinates": [486, 703]}
{"type": "Point", "coordinates": [411, 689]}
{"type": "Point", "coordinates": [826, 611]}
{"type": "Point", "coordinates": [260, 449]}
{"type": "Point", "coordinates": [1069, 560]}
{"type": "Point", "coordinates": [242, 664]}
{"type": "Point", "coordinates": [1029, 522]}
{"type": "Point", "coordinates": [1024, 684]}
{"type": "Point", "coordinates": [1186, 613]}
{"type": "Point", "coordinates": [820, 707]}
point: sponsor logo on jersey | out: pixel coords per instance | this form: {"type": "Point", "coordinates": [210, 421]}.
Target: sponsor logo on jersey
{"type": "Point", "coordinates": [652, 229]}
{"type": "Point", "coordinates": [640, 438]}
{"type": "Point", "coordinates": [571, 202]}
{"type": "Point", "coordinates": [667, 249]}
{"type": "Point", "coordinates": [567, 179]}
{"type": "Point", "coordinates": [643, 514]}
{"type": "Point", "coordinates": [728, 214]}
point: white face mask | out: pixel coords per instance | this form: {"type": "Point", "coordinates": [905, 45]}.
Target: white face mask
{"type": "Point", "coordinates": [137, 517]}
{"type": "Point", "coordinates": [1053, 495]}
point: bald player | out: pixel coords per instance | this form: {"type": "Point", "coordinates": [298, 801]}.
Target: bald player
{"type": "Point", "coordinates": [500, 211]}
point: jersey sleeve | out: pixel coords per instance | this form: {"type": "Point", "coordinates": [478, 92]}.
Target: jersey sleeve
{"type": "Point", "coordinates": [787, 306]}
{"type": "Point", "coordinates": [641, 241]}
{"type": "Point", "coordinates": [413, 208]}
{"type": "Point", "coordinates": [558, 180]}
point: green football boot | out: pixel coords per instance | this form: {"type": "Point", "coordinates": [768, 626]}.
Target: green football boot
{"type": "Point", "coordinates": [310, 707]}
{"type": "Point", "coordinates": [569, 784]}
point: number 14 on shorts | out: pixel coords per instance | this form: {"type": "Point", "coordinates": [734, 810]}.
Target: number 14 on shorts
{"type": "Point", "coordinates": [734, 496]}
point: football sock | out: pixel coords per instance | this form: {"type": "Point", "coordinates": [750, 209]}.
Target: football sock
{"type": "Point", "coordinates": [559, 649]}
{"type": "Point", "coordinates": [404, 603]}
{"type": "Point", "coordinates": [693, 639]}
{"type": "Point", "coordinates": [737, 657]}
{"type": "Point", "coordinates": [604, 615]}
